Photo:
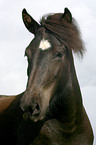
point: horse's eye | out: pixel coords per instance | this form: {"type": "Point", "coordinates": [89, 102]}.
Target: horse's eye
{"type": "Point", "coordinates": [59, 55]}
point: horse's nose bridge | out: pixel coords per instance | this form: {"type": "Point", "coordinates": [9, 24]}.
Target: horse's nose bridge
{"type": "Point", "coordinates": [34, 70]}
{"type": "Point", "coordinates": [32, 78]}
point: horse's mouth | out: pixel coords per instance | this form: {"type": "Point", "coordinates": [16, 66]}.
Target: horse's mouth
{"type": "Point", "coordinates": [29, 117]}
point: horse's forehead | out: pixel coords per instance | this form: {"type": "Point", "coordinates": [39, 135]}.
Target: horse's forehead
{"type": "Point", "coordinates": [44, 44]}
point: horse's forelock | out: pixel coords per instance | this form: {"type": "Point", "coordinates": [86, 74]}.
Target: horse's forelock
{"type": "Point", "coordinates": [67, 33]}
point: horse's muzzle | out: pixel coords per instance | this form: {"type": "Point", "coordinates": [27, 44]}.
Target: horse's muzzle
{"type": "Point", "coordinates": [30, 112]}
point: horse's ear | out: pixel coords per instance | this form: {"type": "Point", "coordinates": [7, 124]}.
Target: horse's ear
{"type": "Point", "coordinates": [67, 15]}
{"type": "Point", "coordinates": [29, 22]}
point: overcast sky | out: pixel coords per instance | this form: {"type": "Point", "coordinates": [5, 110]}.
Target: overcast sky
{"type": "Point", "coordinates": [14, 38]}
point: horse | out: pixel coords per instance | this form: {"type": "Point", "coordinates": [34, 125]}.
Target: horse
{"type": "Point", "coordinates": [50, 110]}
{"type": "Point", "coordinates": [53, 93]}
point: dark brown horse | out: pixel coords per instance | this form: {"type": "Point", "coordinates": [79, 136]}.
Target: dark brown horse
{"type": "Point", "coordinates": [52, 105]}
{"type": "Point", "coordinates": [53, 93]}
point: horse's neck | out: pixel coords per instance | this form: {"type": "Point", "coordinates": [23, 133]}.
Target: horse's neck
{"type": "Point", "coordinates": [68, 121]}
{"type": "Point", "coordinates": [70, 100]}
{"type": "Point", "coordinates": [71, 109]}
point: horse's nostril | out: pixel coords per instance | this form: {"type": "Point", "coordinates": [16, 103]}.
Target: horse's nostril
{"type": "Point", "coordinates": [30, 111]}
{"type": "Point", "coordinates": [34, 109]}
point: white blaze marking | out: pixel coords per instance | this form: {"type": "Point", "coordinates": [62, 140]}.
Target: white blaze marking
{"type": "Point", "coordinates": [44, 44]}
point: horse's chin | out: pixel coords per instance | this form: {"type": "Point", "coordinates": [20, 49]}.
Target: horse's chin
{"type": "Point", "coordinates": [36, 119]}
{"type": "Point", "coordinates": [32, 118]}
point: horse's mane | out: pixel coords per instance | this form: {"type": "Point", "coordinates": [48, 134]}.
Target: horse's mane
{"type": "Point", "coordinates": [67, 33]}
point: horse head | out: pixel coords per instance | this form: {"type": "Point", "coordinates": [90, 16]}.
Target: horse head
{"type": "Point", "coordinates": [49, 62]}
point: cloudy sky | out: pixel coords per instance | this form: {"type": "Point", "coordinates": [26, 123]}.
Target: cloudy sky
{"type": "Point", "coordinates": [14, 38]}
